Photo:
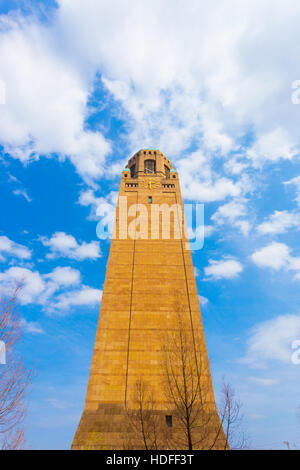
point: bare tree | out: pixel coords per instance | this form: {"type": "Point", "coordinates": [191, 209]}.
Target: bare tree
{"type": "Point", "coordinates": [144, 427]}
{"type": "Point", "coordinates": [230, 413]}
{"type": "Point", "coordinates": [189, 391]}
{"type": "Point", "coordinates": [14, 377]}
{"type": "Point", "coordinates": [13, 440]}
{"type": "Point", "coordinates": [188, 397]}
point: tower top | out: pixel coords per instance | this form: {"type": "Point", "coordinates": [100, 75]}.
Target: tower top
{"type": "Point", "coordinates": [149, 162]}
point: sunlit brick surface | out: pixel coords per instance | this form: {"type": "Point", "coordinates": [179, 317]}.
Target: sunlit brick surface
{"type": "Point", "coordinates": [146, 280]}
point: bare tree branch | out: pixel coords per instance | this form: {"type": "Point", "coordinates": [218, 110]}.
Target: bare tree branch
{"type": "Point", "coordinates": [14, 377]}
{"type": "Point", "coordinates": [188, 400]}
{"type": "Point", "coordinates": [231, 415]}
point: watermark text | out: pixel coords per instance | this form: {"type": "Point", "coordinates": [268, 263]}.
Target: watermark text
{"type": "Point", "coordinates": [154, 222]}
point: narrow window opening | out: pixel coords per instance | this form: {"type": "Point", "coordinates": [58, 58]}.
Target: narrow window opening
{"type": "Point", "coordinates": [150, 199]}
{"type": "Point", "coordinates": [169, 421]}
{"type": "Point", "coordinates": [167, 172]}
{"type": "Point", "coordinates": [132, 171]}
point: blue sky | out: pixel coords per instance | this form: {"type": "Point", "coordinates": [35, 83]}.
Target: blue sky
{"type": "Point", "coordinates": [82, 87]}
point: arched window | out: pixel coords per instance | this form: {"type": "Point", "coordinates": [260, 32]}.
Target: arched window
{"type": "Point", "coordinates": [150, 166]}
{"type": "Point", "coordinates": [132, 171]}
{"type": "Point", "coordinates": [167, 172]}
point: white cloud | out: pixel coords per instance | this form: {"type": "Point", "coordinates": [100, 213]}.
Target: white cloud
{"type": "Point", "coordinates": [203, 300]}
{"type": "Point", "coordinates": [279, 222]}
{"type": "Point", "coordinates": [276, 256]}
{"type": "Point", "coordinates": [294, 265]}
{"type": "Point", "coordinates": [32, 283]}
{"type": "Point", "coordinates": [85, 296]}
{"type": "Point", "coordinates": [196, 271]}
{"type": "Point", "coordinates": [223, 269]}
{"type": "Point", "coordinates": [103, 208]}
{"type": "Point", "coordinates": [244, 226]}
{"type": "Point", "coordinates": [206, 83]}
{"type": "Point", "coordinates": [53, 291]}
{"type": "Point", "coordinates": [201, 183]}
{"type": "Point", "coordinates": [272, 146]}
{"type": "Point", "coordinates": [60, 278]}
{"type": "Point", "coordinates": [209, 191]}
{"type": "Point", "coordinates": [13, 249]}
{"type": "Point", "coordinates": [31, 327]}
{"type": "Point", "coordinates": [13, 179]}
{"type": "Point", "coordinates": [99, 205]}
{"type": "Point", "coordinates": [263, 381]}
{"type": "Point", "coordinates": [22, 192]}
{"type": "Point", "coordinates": [233, 213]}
{"type": "Point", "coordinates": [63, 245]}
{"type": "Point", "coordinates": [235, 166]}
{"type": "Point", "coordinates": [209, 230]}
{"type": "Point", "coordinates": [64, 276]}
{"type": "Point", "coordinates": [46, 101]}
{"type": "Point", "coordinates": [296, 182]}
{"type": "Point", "coordinates": [209, 87]}
{"type": "Point", "coordinates": [272, 340]}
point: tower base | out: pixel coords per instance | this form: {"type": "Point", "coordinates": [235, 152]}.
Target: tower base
{"type": "Point", "coordinates": [112, 427]}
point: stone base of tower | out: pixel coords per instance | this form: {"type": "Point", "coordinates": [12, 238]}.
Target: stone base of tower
{"type": "Point", "coordinates": [111, 428]}
{"type": "Point", "coordinates": [102, 429]}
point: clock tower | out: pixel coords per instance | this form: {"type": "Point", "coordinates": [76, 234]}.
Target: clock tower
{"type": "Point", "coordinates": [149, 280]}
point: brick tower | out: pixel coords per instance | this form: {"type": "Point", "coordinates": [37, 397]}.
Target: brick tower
{"type": "Point", "coordinates": [149, 278]}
